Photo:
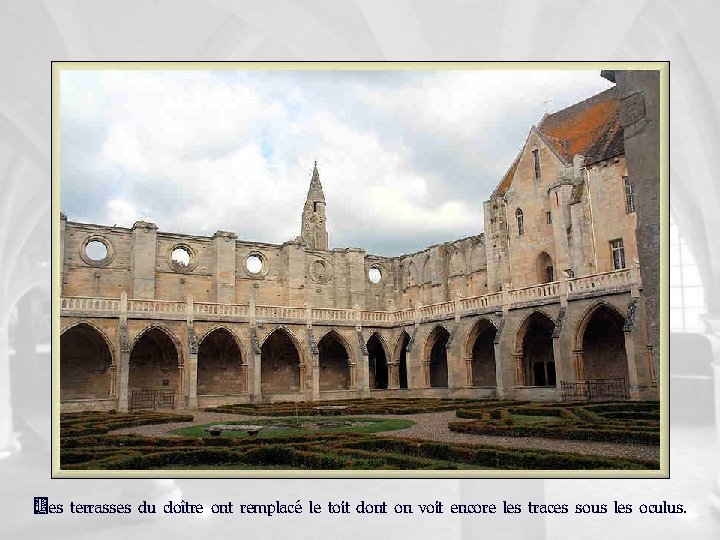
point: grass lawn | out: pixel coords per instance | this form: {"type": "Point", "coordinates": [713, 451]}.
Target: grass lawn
{"type": "Point", "coordinates": [280, 427]}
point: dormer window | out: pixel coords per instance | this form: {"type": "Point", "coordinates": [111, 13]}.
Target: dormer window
{"type": "Point", "coordinates": [520, 222]}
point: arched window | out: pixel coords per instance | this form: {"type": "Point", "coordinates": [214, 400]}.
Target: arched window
{"type": "Point", "coordinates": [687, 298]}
{"type": "Point", "coordinates": [520, 222]}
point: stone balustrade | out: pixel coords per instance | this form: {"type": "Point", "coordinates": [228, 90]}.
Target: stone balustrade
{"type": "Point", "coordinates": [603, 282]}
{"type": "Point", "coordinates": [230, 310]}
{"type": "Point", "coordinates": [279, 312]}
{"type": "Point", "coordinates": [620, 280]}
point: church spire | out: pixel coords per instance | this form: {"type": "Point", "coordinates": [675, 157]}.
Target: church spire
{"type": "Point", "coordinates": [315, 193]}
{"type": "Point", "coordinates": [314, 231]}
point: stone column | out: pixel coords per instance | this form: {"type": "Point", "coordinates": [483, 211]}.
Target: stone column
{"type": "Point", "coordinates": [393, 375]}
{"type": "Point", "coordinates": [503, 377]}
{"type": "Point", "coordinates": [190, 388]}
{"type": "Point", "coordinates": [224, 270]}
{"type": "Point", "coordinates": [578, 365]}
{"type": "Point", "coordinates": [123, 377]}
{"type": "Point", "coordinates": [303, 377]}
{"type": "Point", "coordinates": [256, 354]}
{"type": "Point", "coordinates": [112, 380]}
{"type": "Point", "coordinates": [353, 376]}
{"type": "Point", "coordinates": [469, 371]}
{"type": "Point", "coordinates": [631, 354]}
{"type": "Point", "coordinates": [518, 364]}
{"type": "Point", "coordinates": [244, 378]}
{"type": "Point", "coordinates": [426, 374]}
{"type": "Point", "coordinates": [256, 379]}
{"type": "Point", "coordinates": [143, 256]}
{"type": "Point", "coordinates": [315, 371]}
{"type": "Point", "coordinates": [180, 404]}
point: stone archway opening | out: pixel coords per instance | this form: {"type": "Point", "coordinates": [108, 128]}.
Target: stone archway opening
{"type": "Point", "coordinates": [483, 355]}
{"type": "Point", "coordinates": [220, 365]}
{"type": "Point", "coordinates": [402, 360]}
{"type": "Point", "coordinates": [377, 363]}
{"type": "Point", "coordinates": [155, 380]}
{"type": "Point", "coordinates": [438, 341]}
{"type": "Point", "coordinates": [544, 269]}
{"type": "Point", "coordinates": [603, 346]}
{"type": "Point", "coordinates": [85, 364]}
{"type": "Point", "coordinates": [279, 364]}
{"type": "Point", "coordinates": [537, 351]}
{"type": "Point", "coordinates": [334, 363]}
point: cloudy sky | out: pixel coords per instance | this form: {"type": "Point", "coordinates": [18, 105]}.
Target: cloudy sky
{"type": "Point", "coordinates": [406, 158]}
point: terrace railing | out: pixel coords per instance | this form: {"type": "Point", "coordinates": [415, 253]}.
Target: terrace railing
{"type": "Point", "coordinates": [166, 309]}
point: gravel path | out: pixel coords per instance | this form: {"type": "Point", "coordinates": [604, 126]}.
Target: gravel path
{"type": "Point", "coordinates": [434, 427]}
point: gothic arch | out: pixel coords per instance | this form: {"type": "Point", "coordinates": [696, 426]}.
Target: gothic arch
{"type": "Point", "coordinates": [522, 329]}
{"type": "Point", "coordinates": [480, 353]}
{"type": "Point", "coordinates": [291, 336]}
{"type": "Point", "coordinates": [164, 330]}
{"type": "Point", "coordinates": [587, 315]}
{"type": "Point", "coordinates": [282, 369]}
{"type": "Point", "coordinates": [383, 343]}
{"type": "Point", "coordinates": [379, 372]}
{"type": "Point", "coordinates": [86, 363]}
{"type": "Point", "coordinates": [435, 357]}
{"type": "Point", "coordinates": [221, 363]}
{"type": "Point", "coordinates": [400, 356]}
{"type": "Point", "coordinates": [336, 362]}
{"type": "Point", "coordinates": [534, 354]}
{"type": "Point", "coordinates": [233, 335]}
{"type": "Point", "coordinates": [599, 351]}
{"type": "Point", "coordinates": [337, 335]}
{"type": "Point", "coordinates": [97, 329]}
{"type": "Point", "coordinates": [156, 377]}
{"type": "Point", "coordinates": [478, 327]}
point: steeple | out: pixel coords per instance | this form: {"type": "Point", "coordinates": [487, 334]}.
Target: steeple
{"type": "Point", "coordinates": [314, 231]}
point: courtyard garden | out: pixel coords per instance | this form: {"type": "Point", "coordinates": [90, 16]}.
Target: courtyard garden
{"type": "Point", "coordinates": [394, 434]}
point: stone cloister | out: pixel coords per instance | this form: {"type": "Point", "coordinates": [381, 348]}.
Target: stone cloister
{"type": "Point", "coordinates": [546, 304]}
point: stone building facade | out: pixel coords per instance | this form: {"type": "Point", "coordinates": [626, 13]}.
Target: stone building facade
{"type": "Point", "coordinates": [545, 304]}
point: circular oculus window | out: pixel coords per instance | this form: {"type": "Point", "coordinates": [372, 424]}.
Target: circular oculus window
{"type": "Point", "coordinates": [97, 251]}
{"type": "Point", "coordinates": [254, 264]}
{"type": "Point", "coordinates": [374, 275]}
{"type": "Point", "coordinates": [182, 258]}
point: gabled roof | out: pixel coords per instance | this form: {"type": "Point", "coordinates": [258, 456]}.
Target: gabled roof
{"type": "Point", "coordinates": [590, 128]}
{"type": "Point", "coordinates": [507, 179]}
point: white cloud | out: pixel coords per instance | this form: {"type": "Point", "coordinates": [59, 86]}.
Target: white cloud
{"type": "Point", "coordinates": [404, 160]}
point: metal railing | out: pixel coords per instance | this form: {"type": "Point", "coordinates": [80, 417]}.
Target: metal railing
{"type": "Point", "coordinates": [590, 389]}
{"type": "Point", "coordinates": [152, 399]}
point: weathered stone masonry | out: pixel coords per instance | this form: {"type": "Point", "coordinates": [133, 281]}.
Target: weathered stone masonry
{"type": "Point", "coordinates": [544, 297]}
